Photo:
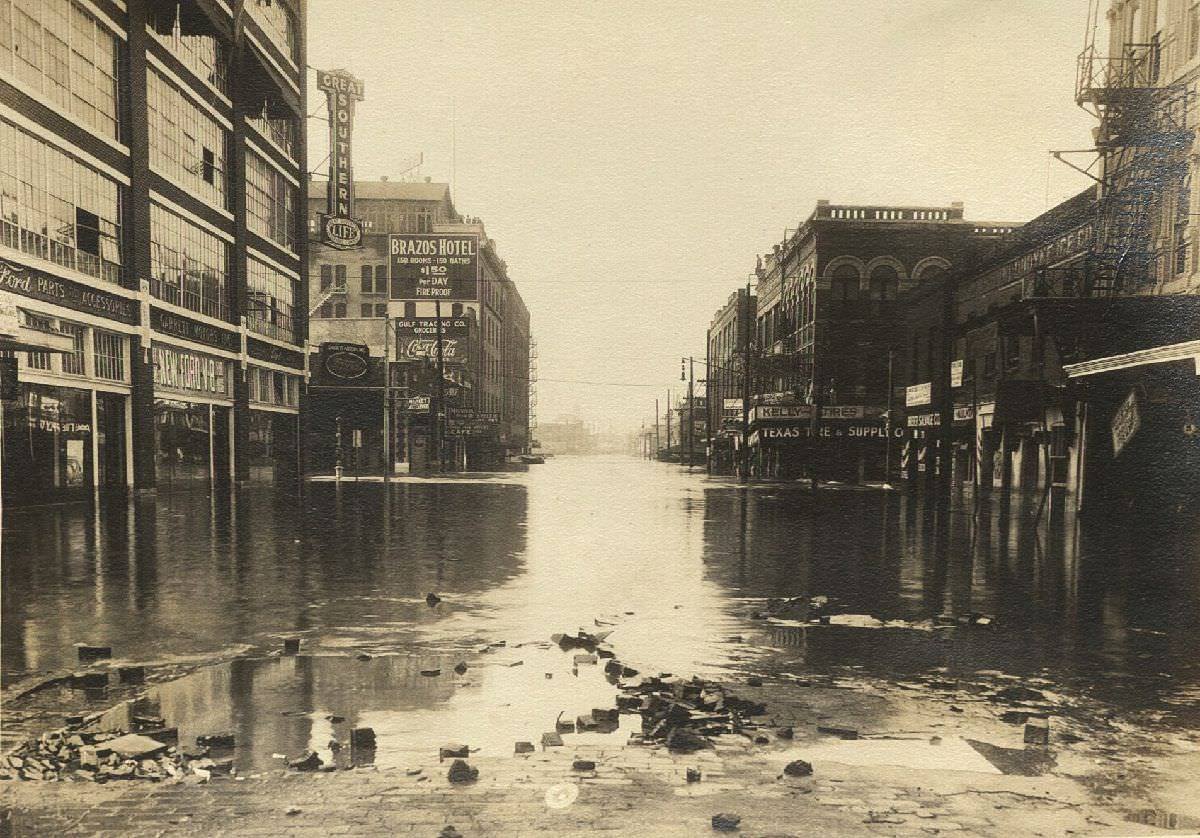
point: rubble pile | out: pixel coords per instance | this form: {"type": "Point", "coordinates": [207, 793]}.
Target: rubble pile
{"type": "Point", "coordinates": [102, 757]}
{"type": "Point", "coordinates": [682, 714]}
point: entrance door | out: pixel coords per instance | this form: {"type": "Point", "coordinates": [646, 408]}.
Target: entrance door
{"type": "Point", "coordinates": [220, 446]}
{"type": "Point", "coordinates": [110, 422]}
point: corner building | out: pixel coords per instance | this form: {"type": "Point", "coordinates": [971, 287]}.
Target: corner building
{"type": "Point", "coordinates": [151, 159]}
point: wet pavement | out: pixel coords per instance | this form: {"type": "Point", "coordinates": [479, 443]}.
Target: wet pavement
{"type": "Point", "coordinates": [885, 613]}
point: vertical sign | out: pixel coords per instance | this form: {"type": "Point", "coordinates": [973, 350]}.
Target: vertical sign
{"type": "Point", "coordinates": [956, 373]}
{"type": "Point", "coordinates": [339, 227]}
{"type": "Point", "coordinates": [1125, 422]}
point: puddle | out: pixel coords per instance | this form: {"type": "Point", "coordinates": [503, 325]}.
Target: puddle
{"type": "Point", "coordinates": [951, 754]}
{"type": "Point", "coordinates": [289, 705]}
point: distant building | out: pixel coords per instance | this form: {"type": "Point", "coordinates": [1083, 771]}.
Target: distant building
{"type": "Point", "coordinates": [568, 435]}
{"type": "Point", "coordinates": [151, 156]}
{"type": "Point", "coordinates": [728, 352]}
{"type": "Point", "coordinates": [486, 345]}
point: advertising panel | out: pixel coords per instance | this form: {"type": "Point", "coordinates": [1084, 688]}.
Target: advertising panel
{"type": "Point", "coordinates": [1125, 422]}
{"type": "Point", "coordinates": [179, 369]}
{"type": "Point", "coordinates": [918, 394]}
{"type": "Point", "coordinates": [416, 339]}
{"type": "Point", "coordinates": [434, 266]}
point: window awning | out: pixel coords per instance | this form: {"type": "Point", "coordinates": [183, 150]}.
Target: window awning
{"type": "Point", "coordinates": [1185, 351]}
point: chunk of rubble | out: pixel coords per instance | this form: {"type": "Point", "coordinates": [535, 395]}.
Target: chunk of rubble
{"type": "Point", "coordinates": [135, 746]}
{"type": "Point", "coordinates": [461, 772]}
{"type": "Point", "coordinates": [726, 821]}
{"type": "Point", "coordinates": [309, 761]}
{"type": "Point", "coordinates": [454, 750]}
{"type": "Point", "coordinates": [798, 768]}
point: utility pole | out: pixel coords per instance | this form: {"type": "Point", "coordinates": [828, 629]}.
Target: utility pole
{"type": "Point", "coordinates": [691, 430]}
{"type": "Point", "coordinates": [657, 438]}
{"type": "Point", "coordinates": [387, 398]}
{"type": "Point", "coordinates": [887, 442]}
{"type": "Point", "coordinates": [439, 390]}
{"type": "Point", "coordinates": [815, 426]}
{"type": "Point", "coordinates": [668, 420]}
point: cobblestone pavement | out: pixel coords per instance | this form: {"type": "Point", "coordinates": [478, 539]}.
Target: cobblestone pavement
{"type": "Point", "coordinates": [634, 790]}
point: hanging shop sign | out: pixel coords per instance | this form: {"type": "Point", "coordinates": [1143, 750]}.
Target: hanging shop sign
{"type": "Point", "coordinates": [179, 369]}
{"type": "Point", "coordinates": [956, 373]}
{"type": "Point", "coordinates": [918, 394]}
{"type": "Point", "coordinates": [1125, 422]}
{"type": "Point", "coordinates": [38, 285]}
{"type": "Point", "coordinates": [416, 339]}
{"type": "Point", "coordinates": [345, 361]}
{"type": "Point", "coordinates": [184, 328]}
{"type": "Point", "coordinates": [414, 404]}
{"type": "Point", "coordinates": [339, 227]}
{"type": "Point", "coordinates": [434, 266]}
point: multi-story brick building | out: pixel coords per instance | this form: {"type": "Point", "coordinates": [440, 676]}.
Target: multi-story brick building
{"type": "Point", "coordinates": [829, 322]}
{"type": "Point", "coordinates": [725, 379]}
{"type": "Point", "coordinates": [151, 156]}
{"type": "Point", "coordinates": [486, 344]}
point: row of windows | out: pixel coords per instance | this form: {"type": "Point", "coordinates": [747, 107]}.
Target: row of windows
{"type": "Point", "coordinates": [273, 387]}
{"type": "Point", "coordinates": [55, 208]}
{"type": "Point", "coordinates": [387, 217]}
{"type": "Point", "coordinates": [188, 264]}
{"type": "Point", "coordinates": [271, 202]}
{"type": "Point", "coordinates": [281, 130]}
{"type": "Point", "coordinates": [338, 310]}
{"type": "Point", "coordinates": [278, 24]}
{"type": "Point", "coordinates": [377, 284]}
{"type": "Point", "coordinates": [206, 56]}
{"type": "Point", "coordinates": [106, 360]}
{"type": "Point", "coordinates": [187, 146]}
{"type": "Point", "coordinates": [270, 301]}
{"type": "Point", "coordinates": [56, 48]}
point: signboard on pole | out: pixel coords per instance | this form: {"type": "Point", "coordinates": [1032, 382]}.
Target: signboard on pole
{"type": "Point", "coordinates": [1125, 422]}
{"type": "Point", "coordinates": [339, 227]}
{"type": "Point", "coordinates": [956, 373]}
{"type": "Point", "coordinates": [434, 266]}
{"type": "Point", "coordinates": [416, 339]}
{"type": "Point", "coordinates": [918, 394]}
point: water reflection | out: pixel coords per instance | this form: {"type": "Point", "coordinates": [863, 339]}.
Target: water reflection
{"type": "Point", "coordinates": [671, 563]}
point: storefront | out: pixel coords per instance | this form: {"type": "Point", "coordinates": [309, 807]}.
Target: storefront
{"type": "Point", "coordinates": [66, 429]}
{"type": "Point", "coordinates": [273, 432]}
{"type": "Point", "coordinates": [193, 428]}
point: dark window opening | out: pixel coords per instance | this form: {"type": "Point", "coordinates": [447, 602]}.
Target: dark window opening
{"type": "Point", "coordinates": [87, 231]}
{"type": "Point", "coordinates": [326, 276]}
{"type": "Point", "coordinates": [210, 166]}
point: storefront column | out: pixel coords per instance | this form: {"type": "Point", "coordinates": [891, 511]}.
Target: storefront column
{"type": "Point", "coordinates": [241, 427]}
{"type": "Point", "coordinates": [985, 442]}
{"type": "Point", "coordinates": [141, 377]}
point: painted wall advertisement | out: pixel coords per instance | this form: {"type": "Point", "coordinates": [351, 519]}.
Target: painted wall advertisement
{"type": "Point", "coordinates": [178, 369]}
{"type": "Point", "coordinates": [416, 339]}
{"type": "Point", "coordinates": [434, 266]}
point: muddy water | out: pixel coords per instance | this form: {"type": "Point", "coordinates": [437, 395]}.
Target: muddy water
{"type": "Point", "coordinates": [677, 566]}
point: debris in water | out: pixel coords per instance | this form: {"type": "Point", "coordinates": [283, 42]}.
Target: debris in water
{"type": "Point", "coordinates": [583, 765]}
{"type": "Point", "coordinates": [308, 762]}
{"type": "Point", "coordinates": [89, 653]}
{"type": "Point", "coordinates": [460, 667]}
{"type": "Point", "coordinates": [291, 646]}
{"type": "Point", "coordinates": [432, 599]}
{"type": "Point", "coordinates": [453, 750]}
{"type": "Point", "coordinates": [693, 775]}
{"type": "Point", "coordinates": [798, 768]}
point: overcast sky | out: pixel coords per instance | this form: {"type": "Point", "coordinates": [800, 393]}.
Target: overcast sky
{"type": "Point", "coordinates": [631, 159]}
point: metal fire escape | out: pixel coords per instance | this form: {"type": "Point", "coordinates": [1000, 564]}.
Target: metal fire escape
{"type": "Point", "coordinates": [533, 399]}
{"type": "Point", "coordinates": [1142, 142]}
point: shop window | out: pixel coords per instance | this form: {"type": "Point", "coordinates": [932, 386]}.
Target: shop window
{"type": "Point", "coordinates": [73, 363]}
{"type": "Point", "coordinates": [109, 350]}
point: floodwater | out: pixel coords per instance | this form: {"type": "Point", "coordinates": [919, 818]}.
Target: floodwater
{"type": "Point", "coordinates": [678, 566]}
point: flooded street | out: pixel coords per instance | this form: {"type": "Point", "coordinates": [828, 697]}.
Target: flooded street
{"type": "Point", "coordinates": [881, 612]}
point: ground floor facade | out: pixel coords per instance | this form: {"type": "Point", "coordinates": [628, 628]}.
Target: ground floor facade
{"type": "Point", "coordinates": [144, 397]}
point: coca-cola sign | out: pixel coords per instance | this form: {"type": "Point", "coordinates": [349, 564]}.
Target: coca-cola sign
{"type": "Point", "coordinates": [417, 339]}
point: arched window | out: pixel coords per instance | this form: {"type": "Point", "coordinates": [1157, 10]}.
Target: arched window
{"type": "Point", "coordinates": [845, 283]}
{"type": "Point", "coordinates": [885, 283]}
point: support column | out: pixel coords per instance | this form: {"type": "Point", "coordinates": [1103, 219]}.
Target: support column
{"type": "Point", "coordinates": [136, 240]}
